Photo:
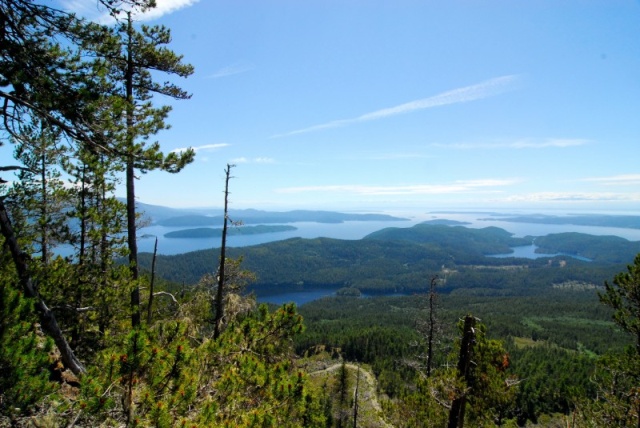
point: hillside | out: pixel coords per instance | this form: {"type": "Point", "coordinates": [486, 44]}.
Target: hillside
{"type": "Point", "coordinates": [607, 249]}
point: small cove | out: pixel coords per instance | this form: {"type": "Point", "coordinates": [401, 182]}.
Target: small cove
{"type": "Point", "coordinates": [529, 252]}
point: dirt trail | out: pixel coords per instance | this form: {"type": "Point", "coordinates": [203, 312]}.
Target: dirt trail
{"type": "Point", "coordinates": [367, 391]}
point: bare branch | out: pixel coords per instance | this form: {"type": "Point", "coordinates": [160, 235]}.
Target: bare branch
{"type": "Point", "coordinates": [166, 293]}
{"type": "Point", "coordinates": [71, 308]}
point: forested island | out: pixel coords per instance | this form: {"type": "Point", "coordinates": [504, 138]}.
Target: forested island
{"type": "Point", "coordinates": [207, 232]}
{"type": "Point", "coordinates": [269, 217]}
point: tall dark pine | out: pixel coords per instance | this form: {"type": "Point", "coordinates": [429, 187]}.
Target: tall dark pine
{"type": "Point", "coordinates": [131, 55]}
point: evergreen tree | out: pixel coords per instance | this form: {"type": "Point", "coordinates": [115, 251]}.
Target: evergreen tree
{"type": "Point", "coordinates": [617, 404]}
{"type": "Point", "coordinates": [100, 283]}
{"type": "Point", "coordinates": [42, 74]}
{"type": "Point", "coordinates": [43, 77]}
{"type": "Point", "coordinates": [129, 57]}
{"type": "Point", "coordinates": [624, 297]}
{"type": "Point", "coordinates": [40, 194]}
{"type": "Point", "coordinates": [618, 375]}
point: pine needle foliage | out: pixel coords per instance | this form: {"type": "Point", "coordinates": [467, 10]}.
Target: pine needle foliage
{"type": "Point", "coordinates": [169, 376]}
{"type": "Point", "coordinates": [24, 357]}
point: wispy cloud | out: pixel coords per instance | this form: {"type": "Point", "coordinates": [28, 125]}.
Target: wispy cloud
{"type": "Point", "coordinates": [463, 186]}
{"type": "Point", "coordinates": [456, 96]}
{"type": "Point", "coordinates": [617, 180]}
{"type": "Point", "coordinates": [231, 70]}
{"type": "Point", "coordinates": [573, 197]}
{"type": "Point", "coordinates": [519, 144]}
{"type": "Point", "coordinates": [203, 148]}
{"type": "Point", "coordinates": [83, 8]}
{"type": "Point", "coordinates": [91, 11]}
{"type": "Point", "coordinates": [253, 160]}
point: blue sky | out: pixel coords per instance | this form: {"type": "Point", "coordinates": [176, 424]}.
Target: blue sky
{"type": "Point", "coordinates": [404, 105]}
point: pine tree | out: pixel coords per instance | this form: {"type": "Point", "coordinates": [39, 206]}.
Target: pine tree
{"type": "Point", "coordinates": [129, 57]}
{"type": "Point", "coordinates": [617, 376]}
{"type": "Point", "coordinates": [43, 77]}
{"type": "Point", "coordinates": [39, 197]}
{"type": "Point", "coordinates": [100, 218]}
{"type": "Point", "coordinates": [624, 297]}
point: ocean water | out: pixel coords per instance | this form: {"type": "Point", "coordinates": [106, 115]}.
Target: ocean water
{"type": "Point", "coordinates": [351, 230]}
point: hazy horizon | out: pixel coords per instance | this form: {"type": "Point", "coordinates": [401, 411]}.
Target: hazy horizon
{"type": "Point", "coordinates": [423, 209]}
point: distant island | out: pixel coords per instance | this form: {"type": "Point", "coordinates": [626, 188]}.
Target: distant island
{"type": "Point", "coordinates": [622, 221]}
{"type": "Point", "coordinates": [207, 232]}
{"type": "Point", "coordinates": [269, 217]}
{"type": "Point", "coordinates": [445, 222]}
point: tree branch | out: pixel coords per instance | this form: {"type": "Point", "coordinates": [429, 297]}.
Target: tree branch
{"type": "Point", "coordinates": [166, 293]}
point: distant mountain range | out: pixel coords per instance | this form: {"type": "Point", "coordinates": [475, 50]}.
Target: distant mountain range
{"type": "Point", "coordinates": [179, 217]}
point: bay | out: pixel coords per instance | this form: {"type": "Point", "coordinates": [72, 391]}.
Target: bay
{"type": "Point", "coordinates": [529, 252]}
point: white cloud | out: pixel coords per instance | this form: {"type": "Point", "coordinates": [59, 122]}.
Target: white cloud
{"type": "Point", "coordinates": [463, 186]}
{"type": "Point", "coordinates": [203, 148]}
{"type": "Point", "coordinates": [461, 95]}
{"type": "Point", "coordinates": [91, 10]}
{"type": "Point", "coordinates": [520, 144]}
{"type": "Point", "coordinates": [231, 70]}
{"type": "Point", "coordinates": [617, 180]}
{"type": "Point", "coordinates": [165, 7]}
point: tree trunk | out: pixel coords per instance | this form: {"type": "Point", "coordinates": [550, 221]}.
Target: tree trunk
{"type": "Point", "coordinates": [152, 281]}
{"type": "Point", "coordinates": [130, 184]}
{"type": "Point", "coordinates": [47, 318]}
{"type": "Point", "coordinates": [223, 255]}
{"type": "Point", "coordinates": [456, 414]}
